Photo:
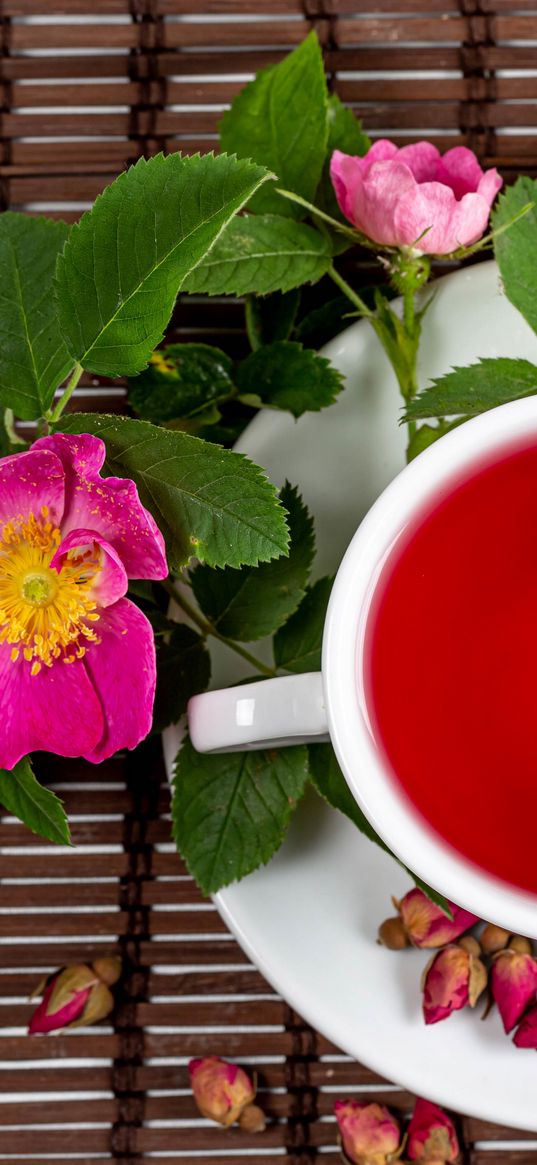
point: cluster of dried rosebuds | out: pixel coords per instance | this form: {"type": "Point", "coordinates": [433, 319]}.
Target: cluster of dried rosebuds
{"type": "Point", "coordinates": [75, 996]}
{"type": "Point", "coordinates": [459, 972]}
{"type": "Point", "coordinates": [371, 1135]}
{"type": "Point", "coordinates": [225, 1093]}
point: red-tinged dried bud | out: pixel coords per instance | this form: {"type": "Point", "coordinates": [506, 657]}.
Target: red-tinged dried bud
{"type": "Point", "coordinates": [426, 924]}
{"type": "Point", "coordinates": [252, 1119]}
{"type": "Point", "coordinates": [108, 970]}
{"type": "Point", "coordinates": [513, 981]}
{"type": "Point", "coordinates": [72, 997]}
{"type": "Point", "coordinates": [431, 1135]}
{"type": "Point", "coordinates": [493, 938]}
{"type": "Point", "coordinates": [526, 1032]}
{"type": "Point", "coordinates": [392, 934]}
{"type": "Point", "coordinates": [222, 1091]}
{"type": "Point", "coordinates": [370, 1135]}
{"type": "Point", "coordinates": [454, 978]}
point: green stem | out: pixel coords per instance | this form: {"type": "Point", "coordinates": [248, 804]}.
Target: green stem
{"type": "Point", "coordinates": [347, 290]}
{"type": "Point", "coordinates": [55, 414]}
{"type": "Point", "coordinates": [9, 426]}
{"type": "Point", "coordinates": [208, 628]}
{"type": "Point", "coordinates": [411, 387]}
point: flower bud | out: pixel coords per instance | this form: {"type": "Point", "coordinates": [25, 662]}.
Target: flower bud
{"type": "Point", "coordinates": [108, 970]}
{"type": "Point", "coordinates": [426, 925]}
{"type": "Point", "coordinates": [513, 981]}
{"type": "Point", "coordinates": [370, 1135]}
{"type": "Point", "coordinates": [224, 1093]}
{"type": "Point", "coordinates": [431, 1136]}
{"type": "Point", "coordinates": [526, 1032]}
{"type": "Point", "coordinates": [493, 938]}
{"type": "Point", "coordinates": [72, 997]}
{"type": "Point", "coordinates": [454, 978]}
{"type": "Point", "coordinates": [392, 934]}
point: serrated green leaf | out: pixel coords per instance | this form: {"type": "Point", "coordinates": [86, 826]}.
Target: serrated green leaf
{"type": "Point", "coordinates": [259, 254]}
{"type": "Point", "coordinates": [271, 318]}
{"type": "Point", "coordinates": [516, 247]}
{"type": "Point", "coordinates": [37, 807]}
{"type": "Point", "coordinates": [326, 776]}
{"type": "Point", "coordinates": [250, 603]}
{"type": "Point", "coordinates": [475, 388]}
{"type": "Point", "coordinates": [297, 645]}
{"type": "Point", "coordinates": [280, 120]}
{"type": "Point", "coordinates": [230, 812]}
{"type": "Point", "coordinates": [33, 357]}
{"type": "Point", "coordinates": [322, 323]}
{"type": "Point", "coordinates": [344, 133]}
{"type": "Point", "coordinates": [126, 259]}
{"type": "Point", "coordinates": [181, 380]}
{"type": "Point", "coordinates": [208, 501]}
{"type": "Point", "coordinates": [423, 437]}
{"type": "Point", "coordinates": [183, 670]}
{"type": "Point", "coordinates": [287, 376]}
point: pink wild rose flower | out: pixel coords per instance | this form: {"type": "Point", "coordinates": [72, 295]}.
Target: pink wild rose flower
{"type": "Point", "coordinates": [414, 196]}
{"type": "Point", "coordinates": [77, 659]}
{"type": "Point", "coordinates": [431, 1135]}
{"type": "Point", "coordinates": [370, 1135]}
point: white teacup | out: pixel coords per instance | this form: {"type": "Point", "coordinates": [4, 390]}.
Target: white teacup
{"type": "Point", "coordinates": [331, 704]}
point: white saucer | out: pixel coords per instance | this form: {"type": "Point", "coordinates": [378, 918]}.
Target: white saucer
{"type": "Point", "coordinates": [309, 918]}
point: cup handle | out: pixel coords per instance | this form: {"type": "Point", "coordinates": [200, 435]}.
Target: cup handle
{"type": "Point", "coordinates": [267, 714]}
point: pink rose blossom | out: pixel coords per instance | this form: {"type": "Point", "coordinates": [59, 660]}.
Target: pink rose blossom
{"type": "Point", "coordinates": [414, 197]}
{"type": "Point", "coordinates": [526, 1033]}
{"type": "Point", "coordinates": [77, 659]}
{"type": "Point", "coordinates": [426, 924]}
{"type": "Point", "coordinates": [224, 1093]}
{"type": "Point", "coordinates": [513, 982]}
{"type": "Point", "coordinates": [75, 996]}
{"type": "Point", "coordinates": [431, 1135]}
{"type": "Point", "coordinates": [370, 1134]}
{"type": "Point", "coordinates": [454, 978]}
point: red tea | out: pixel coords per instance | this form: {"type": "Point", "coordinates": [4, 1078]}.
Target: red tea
{"type": "Point", "coordinates": [451, 666]}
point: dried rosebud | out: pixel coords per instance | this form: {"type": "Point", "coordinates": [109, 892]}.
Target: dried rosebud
{"type": "Point", "coordinates": [454, 978]}
{"type": "Point", "coordinates": [370, 1135]}
{"type": "Point", "coordinates": [74, 996]}
{"type": "Point", "coordinates": [526, 1033]}
{"type": "Point", "coordinates": [431, 1136]}
{"type": "Point", "coordinates": [392, 934]}
{"type": "Point", "coordinates": [224, 1093]}
{"type": "Point", "coordinates": [426, 924]}
{"type": "Point", "coordinates": [493, 938]}
{"type": "Point", "coordinates": [108, 970]}
{"type": "Point", "coordinates": [513, 981]}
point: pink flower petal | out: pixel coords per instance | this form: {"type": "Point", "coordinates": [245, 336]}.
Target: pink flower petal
{"type": "Point", "coordinates": [431, 218]}
{"type": "Point", "coordinates": [513, 982]}
{"type": "Point", "coordinates": [110, 506]}
{"type": "Point", "coordinates": [346, 175]}
{"type": "Point", "coordinates": [526, 1034]}
{"type": "Point", "coordinates": [29, 481]}
{"type": "Point", "coordinates": [422, 158]}
{"type": "Point", "coordinates": [40, 1022]}
{"type": "Point", "coordinates": [489, 186]}
{"type": "Point", "coordinates": [446, 984]}
{"type": "Point", "coordinates": [460, 169]}
{"type": "Point", "coordinates": [122, 670]}
{"type": "Point", "coordinates": [56, 710]}
{"type": "Point", "coordinates": [111, 581]}
{"type": "Point", "coordinates": [377, 199]}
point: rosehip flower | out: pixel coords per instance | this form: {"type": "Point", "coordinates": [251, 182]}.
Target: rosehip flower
{"type": "Point", "coordinates": [513, 981]}
{"type": "Point", "coordinates": [224, 1093]}
{"type": "Point", "coordinates": [370, 1135]}
{"type": "Point", "coordinates": [413, 197]}
{"type": "Point", "coordinates": [452, 979]}
{"type": "Point", "coordinates": [75, 996]}
{"type": "Point", "coordinates": [77, 659]}
{"type": "Point", "coordinates": [526, 1033]}
{"type": "Point", "coordinates": [431, 1136]}
{"type": "Point", "coordinates": [424, 923]}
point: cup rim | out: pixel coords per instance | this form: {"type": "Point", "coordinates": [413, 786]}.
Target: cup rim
{"type": "Point", "coordinates": [388, 809]}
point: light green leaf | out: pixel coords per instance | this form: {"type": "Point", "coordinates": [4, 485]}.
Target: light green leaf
{"type": "Point", "coordinates": [250, 603]}
{"type": "Point", "coordinates": [183, 670]}
{"type": "Point", "coordinates": [516, 247]}
{"type": "Point", "coordinates": [330, 783]}
{"type": "Point", "coordinates": [181, 380]}
{"type": "Point", "coordinates": [208, 501]}
{"type": "Point", "coordinates": [126, 259]}
{"type": "Point", "coordinates": [285, 375]}
{"type": "Point", "coordinates": [230, 812]}
{"type": "Point", "coordinates": [280, 120]}
{"type": "Point", "coordinates": [272, 317]}
{"type": "Point", "coordinates": [475, 388]}
{"type": "Point", "coordinates": [297, 645]}
{"type": "Point", "coordinates": [423, 437]}
{"type": "Point", "coordinates": [259, 254]}
{"type": "Point", "coordinates": [33, 357]}
{"type": "Point", "coordinates": [37, 807]}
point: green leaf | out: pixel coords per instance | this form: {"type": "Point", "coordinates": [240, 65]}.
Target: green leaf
{"type": "Point", "coordinates": [230, 812]}
{"type": "Point", "coordinates": [475, 388]}
{"type": "Point", "coordinates": [322, 323]}
{"type": "Point", "coordinates": [261, 254]}
{"type": "Point", "coordinates": [181, 380]}
{"type": "Point", "coordinates": [287, 376]}
{"type": "Point", "coordinates": [297, 645]}
{"type": "Point", "coordinates": [516, 247]}
{"type": "Point", "coordinates": [280, 120]}
{"type": "Point", "coordinates": [38, 808]}
{"type": "Point", "coordinates": [423, 437]}
{"type": "Point", "coordinates": [33, 356]}
{"type": "Point", "coordinates": [126, 259]}
{"type": "Point", "coordinates": [250, 603]}
{"type": "Point", "coordinates": [183, 670]}
{"type": "Point", "coordinates": [330, 783]}
{"type": "Point", "coordinates": [271, 318]}
{"type": "Point", "coordinates": [344, 133]}
{"type": "Point", "coordinates": [206, 500]}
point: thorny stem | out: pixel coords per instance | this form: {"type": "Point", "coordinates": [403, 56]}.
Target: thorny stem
{"type": "Point", "coordinates": [67, 393]}
{"type": "Point", "coordinates": [208, 628]}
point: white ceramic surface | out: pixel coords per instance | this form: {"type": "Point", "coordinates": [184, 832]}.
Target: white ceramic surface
{"type": "Point", "coordinates": [309, 918]}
